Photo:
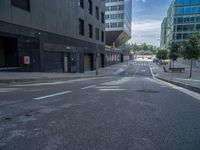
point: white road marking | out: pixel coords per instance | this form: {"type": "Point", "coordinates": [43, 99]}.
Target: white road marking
{"type": "Point", "coordinates": [112, 89]}
{"type": "Point", "coordinates": [88, 87]}
{"type": "Point", "coordinates": [117, 82]}
{"type": "Point", "coordinates": [5, 90]}
{"type": "Point", "coordinates": [59, 82]}
{"type": "Point", "coordinates": [108, 87]}
{"type": "Point", "coordinates": [143, 70]}
{"type": "Point", "coordinates": [52, 95]}
{"type": "Point", "coordinates": [118, 71]}
{"type": "Point", "coordinates": [188, 79]}
{"type": "Point", "coordinates": [183, 90]}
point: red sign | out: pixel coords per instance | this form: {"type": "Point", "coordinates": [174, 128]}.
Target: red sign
{"type": "Point", "coordinates": [25, 60]}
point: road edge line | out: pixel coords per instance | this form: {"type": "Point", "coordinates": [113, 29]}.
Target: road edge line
{"type": "Point", "coordinates": [178, 87]}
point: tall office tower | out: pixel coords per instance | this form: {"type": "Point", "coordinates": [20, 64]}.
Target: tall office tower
{"type": "Point", "coordinates": [163, 41]}
{"type": "Point", "coordinates": [183, 20]}
{"type": "Point", "coordinates": [118, 22]}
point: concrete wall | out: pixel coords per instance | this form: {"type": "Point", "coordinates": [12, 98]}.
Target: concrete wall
{"type": "Point", "coordinates": [55, 16]}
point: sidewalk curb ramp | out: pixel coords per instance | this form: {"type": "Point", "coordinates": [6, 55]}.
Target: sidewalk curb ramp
{"type": "Point", "coordinates": [189, 87]}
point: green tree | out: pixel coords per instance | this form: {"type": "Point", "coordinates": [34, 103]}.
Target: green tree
{"type": "Point", "coordinates": [162, 54]}
{"type": "Point", "coordinates": [144, 46]}
{"type": "Point", "coordinates": [191, 50]}
{"type": "Point", "coordinates": [135, 47]}
{"type": "Point", "coordinates": [173, 52]}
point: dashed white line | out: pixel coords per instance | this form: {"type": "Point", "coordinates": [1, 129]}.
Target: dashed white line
{"type": "Point", "coordinates": [52, 95]}
{"type": "Point", "coordinates": [88, 87]}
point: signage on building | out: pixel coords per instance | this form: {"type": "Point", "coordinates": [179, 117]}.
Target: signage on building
{"type": "Point", "coordinates": [25, 60]}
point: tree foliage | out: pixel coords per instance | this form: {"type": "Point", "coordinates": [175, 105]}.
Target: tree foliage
{"type": "Point", "coordinates": [191, 49]}
{"type": "Point", "coordinates": [143, 47]}
{"type": "Point", "coordinates": [162, 54]}
{"type": "Point", "coordinates": [173, 51]}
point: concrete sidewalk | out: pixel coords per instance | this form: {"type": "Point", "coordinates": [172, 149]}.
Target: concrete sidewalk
{"type": "Point", "coordinates": [180, 79]}
{"type": "Point", "coordinates": [15, 77]}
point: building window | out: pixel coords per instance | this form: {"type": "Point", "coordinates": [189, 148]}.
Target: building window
{"type": "Point", "coordinates": [198, 27]}
{"type": "Point", "coordinates": [97, 33]}
{"type": "Point", "coordinates": [22, 4]}
{"type": "Point", "coordinates": [97, 13]}
{"type": "Point", "coordinates": [179, 28]}
{"type": "Point", "coordinates": [121, 16]}
{"type": "Point", "coordinates": [102, 36]}
{"type": "Point", "coordinates": [121, 7]}
{"type": "Point", "coordinates": [107, 16]}
{"type": "Point", "coordinates": [113, 8]}
{"type": "Point", "coordinates": [107, 8]}
{"type": "Point", "coordinates": [107, 25]}
{"type": "Point", "coordinates": [81, 3]}
{"type": "Point", "coordinates": [90, 7]}
{"type": "Point", "coordinates": [90, 31]}
{"type": "Point", "coordinates": [113, 25]}
{"type": "Point", "coordinates": [81, 27]}
{"type": "Point", "coordinates": [103, 17]}
{"type": "Point", "coordinates": [120, 24]}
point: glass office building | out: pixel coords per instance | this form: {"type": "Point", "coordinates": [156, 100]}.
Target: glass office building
{"type": "Point", "coordinates": [118, 22]}
{"type": "Point", "coordinates": [183, 20]}
{"type": "Point", "coordinates": [163, 40]}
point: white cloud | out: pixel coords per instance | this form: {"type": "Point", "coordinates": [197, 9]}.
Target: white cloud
{"type": "Point", "coordinates": [147, 31]}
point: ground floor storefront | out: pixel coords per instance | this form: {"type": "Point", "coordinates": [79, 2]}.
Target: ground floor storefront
{"type": "Point", "coordinates": [25, 49]}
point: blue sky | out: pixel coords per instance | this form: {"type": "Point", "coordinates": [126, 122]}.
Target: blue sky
{"type": "Point", "coordinates": [147, 18]}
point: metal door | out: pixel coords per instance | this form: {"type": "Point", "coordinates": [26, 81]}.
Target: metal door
{"type": "Point", "coordinates": [66, 64]}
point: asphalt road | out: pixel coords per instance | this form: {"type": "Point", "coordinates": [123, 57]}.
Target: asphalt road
{"type": "Point", "coordinates": [129, 111]}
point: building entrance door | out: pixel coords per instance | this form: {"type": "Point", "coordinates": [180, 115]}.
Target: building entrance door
{"type": "Point", "coordinates": [69, 61]}
{"type": "Point", "coordinates": [9, 58]}
{"type": "Point", "coordinates": [2, 54]}
{"type": "Point", "coordinates": [102, 60]}
{"type": "Point", "coordinates": [66, 69]}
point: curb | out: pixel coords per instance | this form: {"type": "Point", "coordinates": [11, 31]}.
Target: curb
{"type": "Point", "coordinates": [189, 87]}
{"type": "Point", "coordinates": [186, 86]}
{"type": "Point", "coordinates": [13, 81]}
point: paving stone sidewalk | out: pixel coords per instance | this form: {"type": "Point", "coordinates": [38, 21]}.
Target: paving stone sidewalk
{"type": "Point", "coordinates": [15, 77]}
{"type": "Point", "coordinates": [179, 78]}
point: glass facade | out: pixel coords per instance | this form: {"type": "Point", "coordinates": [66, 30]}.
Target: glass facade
{"type": "Point", "coordinates": [183, 20]}
{"type": "Point", "coordinates": [119, 16]}
{"type": "Point", "coordinates": [163, 40]}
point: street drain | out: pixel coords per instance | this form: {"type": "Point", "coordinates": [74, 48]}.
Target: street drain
{"type": "Point", "coordinates": [147, 91]}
